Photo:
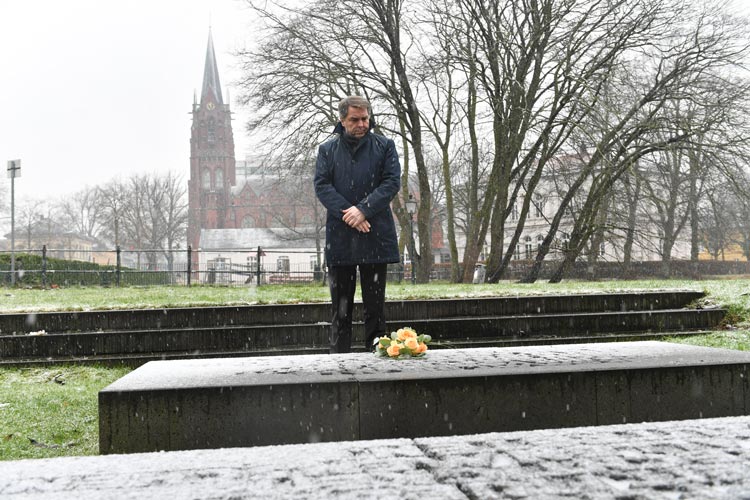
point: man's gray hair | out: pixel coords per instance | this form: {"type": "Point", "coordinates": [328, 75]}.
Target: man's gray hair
{"type": "Point", "coordinates": [353, 101]}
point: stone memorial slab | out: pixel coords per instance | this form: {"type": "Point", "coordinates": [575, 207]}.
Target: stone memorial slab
{"type": "Point", "coordinates": [707, 458]}
{"type": "Point", "coordinates": [212, 403]}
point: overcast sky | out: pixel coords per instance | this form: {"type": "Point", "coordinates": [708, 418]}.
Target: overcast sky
{"type": "Point", "coordinates": [96, 88]}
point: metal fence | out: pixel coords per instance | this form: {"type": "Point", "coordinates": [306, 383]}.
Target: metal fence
{"type": "Point", "coordinates": [261, 266]}
{"type": "Point", "coordinates": [131, 267]}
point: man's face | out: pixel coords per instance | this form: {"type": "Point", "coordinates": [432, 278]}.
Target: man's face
{"type": "Point", "coordinates": [357, 122]}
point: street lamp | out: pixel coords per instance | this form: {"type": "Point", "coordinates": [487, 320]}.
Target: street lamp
{"type": "Point", "coordinates": [14, 170]}
{"type": "Point", "coordinates": [411, 209]}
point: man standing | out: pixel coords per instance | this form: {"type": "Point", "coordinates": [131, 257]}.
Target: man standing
{"type": "Point", "coordinates": [356, 177]}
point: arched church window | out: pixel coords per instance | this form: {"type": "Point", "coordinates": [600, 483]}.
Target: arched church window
{"type": "Point", "coordinates": [219, 174]}
{"type": "Point", "coordinates": [206, 179]}
{"type": "Point", "coordinates": [248, 221]}
{"type": "Point", "coordinates": [211, 130]}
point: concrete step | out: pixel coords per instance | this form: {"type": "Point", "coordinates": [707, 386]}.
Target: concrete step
{"type": "Point", "coordinates": [253, 401]}
{"type": "Point", "coordinates": [137, 359]}
{"type": "Point", "coordinates": [197, 317]}
{"type": "Point", "coordinates": [245, 339]}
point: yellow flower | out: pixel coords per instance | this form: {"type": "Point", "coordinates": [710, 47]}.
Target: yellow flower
{"type": "Point", "coordinates": [394, 350]}
{"type": "Point", "coordinates": [412, 344]}
{"type": "Point", "coordinates": [422, 348]}
{"type": "Point", "coordinates": [406, 333]}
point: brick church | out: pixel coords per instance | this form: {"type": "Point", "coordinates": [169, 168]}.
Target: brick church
{"type": "Point", "coordinates": [240, 204]}
{"type": "Point", "coordinates": [212, 162]}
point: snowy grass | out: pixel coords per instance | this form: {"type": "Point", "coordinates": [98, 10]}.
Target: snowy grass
{"type": "Point", "coordinates": [727, 292]}
{"type": "Point", "coordinates": [732, 339]}
{"type": "Point", "coordinates": [51, 412]}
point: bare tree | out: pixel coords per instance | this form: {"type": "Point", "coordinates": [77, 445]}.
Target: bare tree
{"type": "Point", "coordinates": [82, 211]}
{"type": "Point", "coordinates": [153, 216]}
{"type": "Point", "coordinates": [501, 90]}
{"type": "Point", "coordinates": [112, 197]}
{"type": "Point", "coordinates": [543, 64]}
{"type": "Point", "coordinates": [310, 60]}
{"type": "Point", "coordinates": [173, 214]}
{"type": "Point", "coordinates": [715, 225]}
{"type": "Point", "coordinates": [34, 220]}
{"type": "Point", "coordinates": [684, 71]}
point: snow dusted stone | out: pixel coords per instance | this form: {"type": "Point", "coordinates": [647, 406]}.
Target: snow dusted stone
{"type": "Point", "coordinates": [212, 403]}
{"type": "Point", "coordinates": [708, 458]}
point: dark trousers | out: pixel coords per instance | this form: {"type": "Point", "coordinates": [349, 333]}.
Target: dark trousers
{"type": "Point", "coordinates": [342, 281]}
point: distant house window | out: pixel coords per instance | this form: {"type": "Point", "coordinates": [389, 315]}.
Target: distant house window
{"type": "Point", "coordinates": [565, 241]}
{"type": "Point", "coordinates": [206, 179]}
{"type": "Point", "coordinates": [539, 241]}
{"type": "Point", "coordinates": [218, 270]}
{"type": "Point", "coordinates": [514, 212]}
{"type": "Point", "coordinates": [539, 205]}
{"type": "Point", "coordinates": [282, 264]}
{"type": "Point", "coordinates": [529, 247]}
{"type": "Point", "coordinates": [252, 262]}
{"type": "Point", "coordinates": [517, 252]}
{"type": "Point", "coordinates": [445, 258]}
{"type": "Point", "coordinates": [602, 249]}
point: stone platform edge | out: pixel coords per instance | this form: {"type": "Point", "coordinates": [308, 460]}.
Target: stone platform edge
{"type": "Point", "coordinates": [708, 458]}
{"type": "Point", "coordinates": [192, 404]}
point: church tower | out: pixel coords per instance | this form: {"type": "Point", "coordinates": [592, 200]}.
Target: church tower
{"type": "Point", "coordinates": [212, 163]}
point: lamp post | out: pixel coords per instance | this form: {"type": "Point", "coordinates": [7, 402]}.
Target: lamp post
{"type": "Point", "coordinates": [411, 209]}
{"type": "Point", "coordinates": [14, 170]}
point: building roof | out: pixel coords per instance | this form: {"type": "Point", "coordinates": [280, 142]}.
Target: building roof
{"type": "Point", "coordinates": [211, 83]}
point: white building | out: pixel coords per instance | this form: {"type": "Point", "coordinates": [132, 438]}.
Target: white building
{"type": "Point", "coordinates": [235, 256]}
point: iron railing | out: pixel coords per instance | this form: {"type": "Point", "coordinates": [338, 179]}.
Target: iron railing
{"type": "Point", "coordinates": [131, 267]}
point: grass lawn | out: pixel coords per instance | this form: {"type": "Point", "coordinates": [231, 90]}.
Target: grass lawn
{"type": "Point", "coordinates": [81, 299]}
{"type": "Point", "coordinates": [52, 411]}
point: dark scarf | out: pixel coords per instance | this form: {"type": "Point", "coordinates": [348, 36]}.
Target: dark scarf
{"type": "Point", "coordinates": [353, 142]}
{"type": "Point", "coordinates": [349, 140]}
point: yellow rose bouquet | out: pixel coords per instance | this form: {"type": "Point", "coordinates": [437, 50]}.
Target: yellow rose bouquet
{"type": "Point", "coordinates": [404, 342]}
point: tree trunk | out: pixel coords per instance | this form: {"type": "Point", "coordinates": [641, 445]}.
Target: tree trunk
{"type": "Point", "coordinates": [632, 219]}
{"type": "Point", "coordinates": [693, 208]}
{"type": "Point", "coordinates": [450, 209]}
{"type": "Point", "coordinates": [473, 248]}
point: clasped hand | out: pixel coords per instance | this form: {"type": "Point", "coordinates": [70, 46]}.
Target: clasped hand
{"type": "Point", "coordinates": [354, 218]}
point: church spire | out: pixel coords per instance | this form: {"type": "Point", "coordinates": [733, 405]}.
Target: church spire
{"type": "Point", "coordinates": [211, 84]}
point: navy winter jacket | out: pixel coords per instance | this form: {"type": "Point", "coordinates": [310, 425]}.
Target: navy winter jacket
{"type": "Point", "coordinates": [368, 179]}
